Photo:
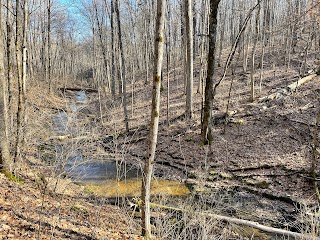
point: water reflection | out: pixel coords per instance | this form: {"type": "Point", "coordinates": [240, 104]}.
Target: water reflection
{"type": "Point", "coordinates": [100, 171]}
{"type": "Point", "coordinates": [132, 188]}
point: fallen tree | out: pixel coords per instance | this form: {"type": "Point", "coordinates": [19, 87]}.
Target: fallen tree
{"type": "Point", "coordinates": [288, 90]}
{"type": "Point", "coordinates": [78, 89]}
{"type": "Point", "coordinates": [238, 221]}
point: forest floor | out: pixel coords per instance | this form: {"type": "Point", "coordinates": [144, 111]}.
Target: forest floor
{"type": "Point", "coordinates": [257, 170]}
{"type": "Point", "coordinates": [260, 164]}
{"type": "Point", "coordinates": [267, 141]}
{"type": "Point", "coordinates": [32, 210]}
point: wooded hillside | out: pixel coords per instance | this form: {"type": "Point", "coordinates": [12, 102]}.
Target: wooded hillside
{"type": "Point", "coordinates": [164, 119]}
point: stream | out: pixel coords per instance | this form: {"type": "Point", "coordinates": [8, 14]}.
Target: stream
{"type": "Point", "coordinates": [104, 177]}
{"type": "Point", "coordinates": [113, 179]}
{"type": "Point", "coordinates": [81, 169]}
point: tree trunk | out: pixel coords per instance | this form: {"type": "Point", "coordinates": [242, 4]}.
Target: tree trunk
{"type": "Point", "coordinates": [19, 132]}
{"type": "Point", "coordinates": [146, 51]}
{"type": "Point", "coordinates": [253, 55]}
{"type": "Point", "coordinates": [5, 157]}
{"type": "Point", "coordinates": [208, 102]}
{"type": "Point", "coordinates": [154, 122]}
{"type": "Point", "coordinates": [223, 17]}
{"type": "Point", "coordinates": [113, 70]}
{"type": "Point", "coordinates": [48, 55]}
{"type": "Point", "coordinates": [24, 63]}
{"type": "Point", "coordinates": [168, 52]}
{"type": "Point", "coordinates": [9, 64]}
{"type": "Point", "coordinates": [125, 111]}
{"type": "Point", "coordinates": [102, 43]}
{"type": "Point", "coordinates": [189, 34]}
{"type": "Point", "coordinates": [264, 43]}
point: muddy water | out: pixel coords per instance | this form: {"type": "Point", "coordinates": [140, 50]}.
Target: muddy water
{"type": "Point", "coordinates": [132, 188]}
{"type": "Point", "coordinates": [109, 179]}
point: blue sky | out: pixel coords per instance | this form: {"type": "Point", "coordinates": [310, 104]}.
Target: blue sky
{"type": "Point", "coordinates": [66, 1]}
{"type": "Point", "coordinates": [71, 6]}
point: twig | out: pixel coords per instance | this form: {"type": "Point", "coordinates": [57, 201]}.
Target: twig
{"type": "Point", "coordinates": [310, 178]}
{"type": "Point", "coordinates": [264, 166]}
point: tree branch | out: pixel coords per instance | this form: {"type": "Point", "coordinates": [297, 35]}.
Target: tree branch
{"type": "Point", "coordinates": [234, 47]}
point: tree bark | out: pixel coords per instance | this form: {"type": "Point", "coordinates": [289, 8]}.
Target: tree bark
{"type": "Point", "coordinates": [5, 157]}
{"type": "Point", "coordinates": [102, 42]}
{"type": "Point", "coordinates": [19, 132]}
{"type": "Point", "coordinates": [154, 122]}
{"type": "Point", "coordinates": [125, 111]}
{"type": "Point", "coordinates": [24, 64]}
{"type": "Point", "coordinates": [208, 102]}
{"type": "Point", "coordinates": [113, 70]}
{"type": "Point", "coordinates": [48, 51]}
{"type": "Point", "coordinates": [168, 52]}
{"type": "Point", "coordinates": [253, 55]}
{"type": "Point", "coordinates": [189, 34]}
{"type": "Point", "coordinates": [9, 64]}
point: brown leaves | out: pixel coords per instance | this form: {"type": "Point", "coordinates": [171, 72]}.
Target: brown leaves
{"type": "Point", "coordinates": [23, 210]}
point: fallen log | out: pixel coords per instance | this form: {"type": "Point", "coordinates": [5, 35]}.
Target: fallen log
{"type": "Point", "coordinates": [288, 90]}
{"type": "Point", "coordinates": [293, 86]}
{"type": "Point", "coordinates": [263, 166]}
{"type": "Point", "coordinates": [77, 89]}
{"type": "Point", "coordinates": [238, 221]}
{"type": "Point", "coordinates": [68, 137]}
{"type": "Point", "coordinates": [261, 227]}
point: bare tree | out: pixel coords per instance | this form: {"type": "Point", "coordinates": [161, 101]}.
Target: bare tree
{"type": "Point", "coordinates": [113, 70]}
{"type": "Point", "coordinates": [208, 102]}
{"type": "Point", "coordinates": [48, 50]}
{"type": "Point", "coordinates": [9, 38]}
{"type": "Point", "coordinates": [20, 117]}
{"type": "Point", "coordinates": [5, 157]}
{"type": "Point", "coordinates": [254, 53]}
{"type": "Point", "coordinates": [123, 65]}
{"type": "Point", "coordinates": [189, 59]}
{"type": "Point", "coordinates": [154, 122]}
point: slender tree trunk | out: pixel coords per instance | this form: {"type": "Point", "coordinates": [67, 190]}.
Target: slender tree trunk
{"type": "Point", "coordinates": [24, 64]}
{"type": "Point", "coordinates": [168, 52]}
{"type": "Point", "coordinates": [113, 70]}
{"type": "Point", "coordinates": [146, 53]}
{"type": "Point", "coordinates": [48, 56]}
{"type": "Point", "coordinates": [183, 45]}
{"type": "Point", "coordinates": [203, 43]}
{"type": "Point", "coordinates": [208, 102]}
{"type": "Point", "coordinates": [9, 64]}
{"type": "Point", "coordinates": [154, 122]}
{"type": "Point", "coordinates": [189, 34]}
{"type": "Point", "coordinates": [133, 89]}
{"type": "Point", "coordinates": [223, 17]}
{"type": "Point", "coordinates": [102, 44]}
{"type": "Point", "coordinates": [5, 157]}
{"type": "Point", "coordinates": [253, 55]}
{"type": "Point", "coordinates": [20, 118]}
{"type": "Point", "coordinates": [264, 43]}
{"type": "Point", "coordinates": [125, 111]}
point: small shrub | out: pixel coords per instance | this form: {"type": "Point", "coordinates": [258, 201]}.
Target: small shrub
{"type": "Point", "coordinates": [13, 177]}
